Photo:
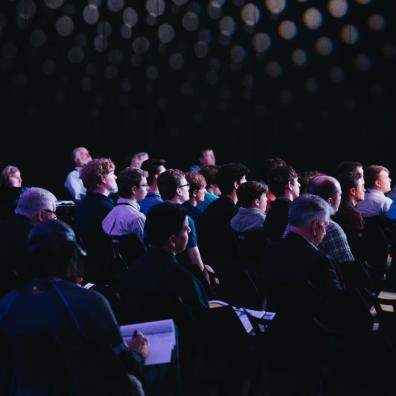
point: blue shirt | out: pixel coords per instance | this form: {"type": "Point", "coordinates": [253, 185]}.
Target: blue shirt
{"type": "Point", "coordinates": [152, 198]}
{"type": "Point", "coordinates": [208, 199]}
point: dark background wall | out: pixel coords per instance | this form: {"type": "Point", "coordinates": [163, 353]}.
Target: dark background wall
{"type": "Point", "coordinates": [312, 82]}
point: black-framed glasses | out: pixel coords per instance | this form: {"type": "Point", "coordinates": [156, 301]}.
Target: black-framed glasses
{"type": "Point", "coordinates": [185, 185]}
{"type": "Point", "coordinates": [50, 211]}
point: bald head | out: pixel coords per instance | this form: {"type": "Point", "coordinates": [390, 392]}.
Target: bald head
{"type": "Point", "coordinates": [81, 156]}
{"type": "Point", "coordinates": [326, 187]}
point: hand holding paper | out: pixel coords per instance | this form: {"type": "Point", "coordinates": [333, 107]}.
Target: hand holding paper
{"type": "Point", "coordinates": [139, 343]}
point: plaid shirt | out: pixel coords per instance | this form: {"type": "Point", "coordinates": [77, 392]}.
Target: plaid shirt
{"type": "Point", "coordinates": [335, 244]}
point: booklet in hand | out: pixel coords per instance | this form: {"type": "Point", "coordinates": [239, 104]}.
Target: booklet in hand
{"type": "Point", "coordinates": [161, 335]}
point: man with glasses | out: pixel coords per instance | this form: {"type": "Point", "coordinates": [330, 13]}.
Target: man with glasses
{"type": "Point", "coordinates": [34, 206]}
{"type": "Point", "coordinates": [174, 188]}
{"type": "Point", "coordinates": [125, 218]}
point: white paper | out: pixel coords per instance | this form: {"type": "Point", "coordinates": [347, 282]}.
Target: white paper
{"type": "Point", "coordinates": [242, 313]}
{"type": "Point", "coordinates": [161, 335]}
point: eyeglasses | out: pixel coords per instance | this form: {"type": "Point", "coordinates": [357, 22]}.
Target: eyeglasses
{"type": "Point", "coordinates": [185, 185]}
{"type": "Point", "coordinates": [50, 211]}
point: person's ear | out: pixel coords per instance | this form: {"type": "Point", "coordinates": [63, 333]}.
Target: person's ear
{"type": "Point", "coordinates": [236, 185]}
{"type": "Point", "coordinates": [353, 191]}
{"type": "Point", "coordinates": [39, 216]}
{"type": "Point", "coordinates": [172, 243]}
{"type": "Point", "coordinates": [257, 202]}
{"type": "Point", "coordinates": [133, 189]}
{"type": "Point", "coordinates": [314, 228]}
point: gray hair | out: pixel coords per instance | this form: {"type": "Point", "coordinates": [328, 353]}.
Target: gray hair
{"type": "Point", "coordinates": [33, 200]}
{"type": "Point", "coordinates": [308, 207]}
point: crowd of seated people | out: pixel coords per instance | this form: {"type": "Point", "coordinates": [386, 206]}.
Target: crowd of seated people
{"type": "Point", "coordinates": [161, 243]}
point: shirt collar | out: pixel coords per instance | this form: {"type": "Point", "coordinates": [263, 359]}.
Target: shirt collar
{"type": "Point", "coordinates": [134, 204]}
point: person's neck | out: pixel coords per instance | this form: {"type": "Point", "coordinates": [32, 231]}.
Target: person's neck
{"type": "Point", "coordinates": [302, 233]}
{"type": "Point", "coordinates": [176, 200]}
{"type": "Point", "coordinates": [193, 202]}
{"type": "Point", "coordinates": [153, 188]}
{"type": "Point", "coordinates": [352, 201]}
{"type": "Point", "coordinates": [233, 196]}
{"type": "Point", "coordinates": [101, 190]}
{"type": "Point", "coordinates": [287, 195]}
{"type": "Point", "coordinates": [131, 198]}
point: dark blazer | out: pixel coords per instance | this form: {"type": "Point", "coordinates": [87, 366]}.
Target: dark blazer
{"type": "Point", "coordinates": [297, 279]}
{"type": "Point", "coordinates": [302, 286]}
{"type": "Point", "coordinates": [277, 219]}
{"type": "Point", "coordinates": [13, 252]}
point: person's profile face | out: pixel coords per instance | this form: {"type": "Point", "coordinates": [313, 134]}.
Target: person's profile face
{"type": "Point", "coordinates": [110, 182]}
{"type": "Point", "coordinates": [182, 238]}
{"type": "Point", "coordinates": [15, 179]}
{"type": "Point", "coordinates": [208, 158]}
{"type": "Point", "coordinates": [384, 181]}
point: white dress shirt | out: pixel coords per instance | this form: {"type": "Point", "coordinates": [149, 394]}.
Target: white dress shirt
{"type": "Point", "coordinates": [74, 184]}
{"type": "Point", "coordinates": [375, 203]}
{"type": "Point", "coordinates": [125, 218]}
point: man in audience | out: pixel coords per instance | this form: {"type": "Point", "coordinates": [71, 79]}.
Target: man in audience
{"type": "Point", "coordinates": [154, 167]}
{"type": "Point", "coordinates": [283, 183]}
{"type": "Point", "coordinates": [136, 159]}
{"type": "Point", "coordinates": [73, 183]}
{"type": "Point", "coordinates": [157, 286]}
{"type": "Point", "coordinates": [215, 236]}
{"type": "Point", "coordinates": [207, 158]}
{"type": "Point", "coordinates": [59, 338]}
{"type": "Point", "coordinates": [252, 198]}
{"type": "Point", "coordinates": [99, 180]}
{"type": "Point", "coordinates": [347, 216]}
{"type": "Point", "coordinates": [34, 205]}
{"type": "Point", "coordinates": [174, 188]}
{"type": "Point", "coordinates": [334, 243]}
{"type": "Point", "coordinates": [301, 285]}
{"type": "Point", "coordinates": [378, 183]}
{"type": "Point", "coordinates": [125, 218]}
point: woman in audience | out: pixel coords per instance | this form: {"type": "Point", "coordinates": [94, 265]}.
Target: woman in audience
{"type": "Point", "coordinates": [57, 338]}
{"type": "Point", "coordinates": [10, 190]}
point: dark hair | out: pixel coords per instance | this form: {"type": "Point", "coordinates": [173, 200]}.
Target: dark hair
{"type": "Point", "coordinates": [348, 166]}
{"type": "Point", "coordinates": [269, 164]}
{"type": "Point", "coordinates": [250, 191]}
{"type": "Point", "coordinates": [209, 172]}
{"type": "Point", "coordinates": [305, 177]}
{"type": "Point", "coordinates": [228, 174]}
{"type": "Point", "coordinates": [279, 177]}
{"type": "Point", "coordinates": [53, 251]}
{"type": "Point", "coordinates": [128, 178]}
{"type": "Point", "coordinates": [347, 181]}
{"type": "Point", "coordinates": [371, 174]}
{"type": "Point", "coordinates": [152, 167]}
{"type": "Point", "coordinates": [195, 180]}
{"type": "Point", "coordinates": [162, 221]}
{"type": "Point", "coordinates": [168, 182]}
{"type": "Point", "coordinates": [324, 186]}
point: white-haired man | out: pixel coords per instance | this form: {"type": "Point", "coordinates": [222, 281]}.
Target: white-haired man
{"type": "Point", "coordinates": [73, 183]}
{"type": "Point", "coordinates": [34, 205]}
